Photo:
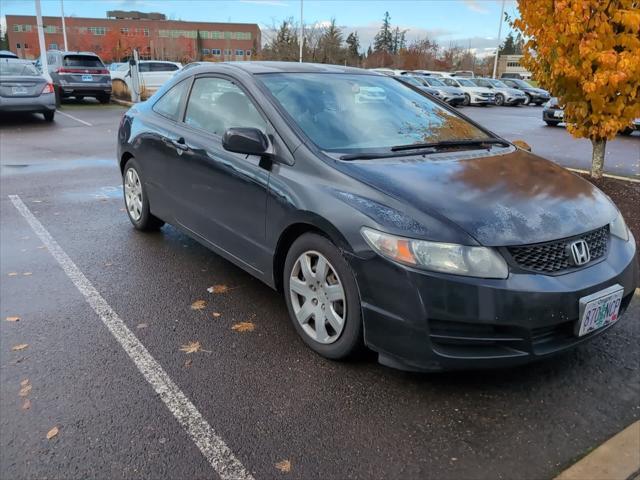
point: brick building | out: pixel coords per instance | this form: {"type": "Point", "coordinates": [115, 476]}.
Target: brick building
{"type": "Point", "coordinates": [155, 37]}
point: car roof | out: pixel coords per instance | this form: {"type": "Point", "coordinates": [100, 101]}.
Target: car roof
{"type": "Point", "coordinates": [16, 60]}
{"type": "Point", "coordinates": [257, 67]}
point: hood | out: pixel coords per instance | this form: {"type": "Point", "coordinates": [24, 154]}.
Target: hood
{"type": "Point", "coordinates": [477, 88]}
{"type": "Point", "coordinates": [506, 199]}
{"type": "Point", "coordinates": [539, 91]}
{"type": "Point", "coordinates": [449, 89]}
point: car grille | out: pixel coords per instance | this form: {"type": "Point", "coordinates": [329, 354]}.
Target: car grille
{"type": "Point", "coordinates": [552, 257]}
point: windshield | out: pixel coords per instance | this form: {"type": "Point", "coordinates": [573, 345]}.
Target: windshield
{"type": "Point", "coordinates": [497, 83]}
{"type": "Point", "coordinates": [434, 82]}
{"type": "Point", "coordinates": [521, 83]}
{"type": "Point", "coordinates": [18, 69]}
{"type": "Point", "coordinates": [338, 112]}
{"type": "Point", "coordinates": [466, 83]}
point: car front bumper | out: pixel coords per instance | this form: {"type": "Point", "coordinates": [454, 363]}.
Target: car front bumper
{"type": "Point", "coordinates": [424, 321]}
{"type": "Point", "coordinates": [454, 99]}
{"type": "Point", "coordinates": [42, 103]}
{"type": "Point", "coordinates": [549, 115]}
{"type": "Point", "coordinates": [479, 100]}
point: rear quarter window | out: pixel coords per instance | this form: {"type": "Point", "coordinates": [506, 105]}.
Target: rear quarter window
{"type": "Point", "coordinates": [169, 104]}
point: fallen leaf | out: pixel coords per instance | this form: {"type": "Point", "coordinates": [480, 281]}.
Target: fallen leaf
{"type": "Point", "coordinates": [216, 314]}
{"type": "Point", "coordinates": [24, 382]}
{"type": "Point", "coordinates": [13, 319]}
{"type": "Point", "coordinates": [188, 362]}
{"type": "Point", "coordinates": [108, 264]}
{"type": "Point", "coordinates": [191, 347]}
{"type": "Point", "coordinates": [24, 391]}
{"type": "Point", "coordinates": [12, 274]}
{"type": "Point", "coordinates": [26, 274]}
{"type": "Point", "coordinates": [244, 327]}
{"type": "Point", "coordinates": [26, 405]}
{"type": "Point", "coordinates": [198, 305]}
{"type": "Point", "coordinates": [141, 325]}
{"type": "Point", "coordinates": [52, 433]}
{"type": "Point", "coordinates": [284, 466]}
{"type": "Point", "coordinates": [20, 346]}
{"type": "Point", "coordinates": [218, 289]}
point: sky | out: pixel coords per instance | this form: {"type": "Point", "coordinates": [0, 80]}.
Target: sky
{"type": "Point", "coordinates": [467, 23]}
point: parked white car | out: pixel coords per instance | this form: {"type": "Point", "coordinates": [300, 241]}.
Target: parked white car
{"type": "Point", "coordinates": [153, 74]}
{"type": "Point", "coordinates": [474, 95]}
{"type": "Point", "coordinates": [504, 94]}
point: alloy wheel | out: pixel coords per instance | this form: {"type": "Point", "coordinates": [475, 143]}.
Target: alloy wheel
{"type": "Point", "coordinates": [318, 297]}
{"type": "Point", "coordinates": [499, 99]}
{"type": "Point", "coordinates": [133, 194]}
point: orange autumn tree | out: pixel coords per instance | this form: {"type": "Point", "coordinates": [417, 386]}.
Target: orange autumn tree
{"type": "Point", "coordinates": [587, 53]}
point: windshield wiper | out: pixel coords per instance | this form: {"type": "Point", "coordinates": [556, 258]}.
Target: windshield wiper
{"type": "Point", "coordinates": [372, 156]}
{"type": "Point", "coordinates": [452, 143]}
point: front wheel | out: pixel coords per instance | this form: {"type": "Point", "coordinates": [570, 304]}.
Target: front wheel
{"type": "Point", "coordinates": [552, 123]}
{"type": "Point", "coordinates": [322, 297]}
{"type": "Point", "coordinates": [527, 100]}
{"type": "Point", "coordinates": [467, 100]}
{"type": "Point", "coordinates": [104, 98]}
{"type": "Point", "coordinates": [136, 200]}
{"type": "Point", "coordinates": [499, 100]}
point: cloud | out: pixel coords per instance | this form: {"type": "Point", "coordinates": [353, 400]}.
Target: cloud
{"type": "Point", "coordinates": [474, 6]}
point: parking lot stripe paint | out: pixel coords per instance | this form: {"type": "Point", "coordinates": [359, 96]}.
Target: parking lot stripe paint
{"type": "Point", "coordinates": [75, 118]}
{"type": "Point", "coordinates": [210, 444]}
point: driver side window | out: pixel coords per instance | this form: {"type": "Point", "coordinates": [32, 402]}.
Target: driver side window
{"type": "Point", "coordinates": [216, 104]}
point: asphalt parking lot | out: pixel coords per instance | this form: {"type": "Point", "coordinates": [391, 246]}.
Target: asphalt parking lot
{"type": "Point", "coordinates": [79, 278]}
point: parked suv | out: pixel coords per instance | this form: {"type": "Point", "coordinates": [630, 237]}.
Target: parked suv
{"type": "Point", "coordinates": [153, 74]}
{"type": "Point", "coordinates": [473, 94]}
{"type": "Point", "coordinates": [504, 94]}
{"type": "Point", "coordinates": [79, 75]}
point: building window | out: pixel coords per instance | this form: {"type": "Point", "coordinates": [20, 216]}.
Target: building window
{"type": "Point", "coordinates": [228, 35]}
{"type": "Point", "coordinates": [215, 51]}
{"type": "Point", "coordinates": [53, 46]}
{"type": "Point", "coordinates": [26, 46]}
{"type": "Point", "coordinates": [125, 31]}
{"type": "Point", "coordinates": [100, 31]}
{"type": "Point", "coordinates": [145, 32]}
{"type": "Point", "coordinates": [206, 51]}
{"type": "Point", "coordinates": [243, 35]}
{"type": "Point", "coordinates": [227, 51]}
{"type": "Point", "coordinates": [50, 29]}
{"type": "Point", "coordinates": [17, 45]}
{"type": "Point", "coordinates": [163, 33]}
{"type": "Point", "coordinates": [216, 35]}
{"type": "Point", "coordinates": [17, 28]}
{"type": "Point", "coordinates": [248, 54]}
{"type": "Point", "coordinates": [239, 53]}
{"type": "Point", "coordinates": [205, 35]}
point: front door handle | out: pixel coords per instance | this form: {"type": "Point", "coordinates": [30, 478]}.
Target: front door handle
{"type": "Point", "coordinates": [180, 144]}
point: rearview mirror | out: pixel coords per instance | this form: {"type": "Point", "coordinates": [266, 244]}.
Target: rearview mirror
{"type": "Point", "coordinates": [249, 141]}
{"type": "Point", "coordinates": [522, 145]}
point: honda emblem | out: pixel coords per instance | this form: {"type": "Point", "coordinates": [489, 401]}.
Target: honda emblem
{"type": "Point", "coordinates": [579, 252]}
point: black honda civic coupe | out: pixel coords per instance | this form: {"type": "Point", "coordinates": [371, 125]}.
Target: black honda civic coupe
{"type": "Point", "coordinates": [384, 217]}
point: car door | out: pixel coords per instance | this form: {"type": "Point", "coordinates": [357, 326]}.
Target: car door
{"type": "Point", "coordinates": [222, 195]}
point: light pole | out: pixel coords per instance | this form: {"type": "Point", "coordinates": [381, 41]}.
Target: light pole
{"type": "Point", "coordinates": [301, 41]}
{"type": "Point", "coordinates": [43, 50]}
{"type": "Point", "coordinates": [495, 60]}
{"type": "Point", "coordinates": [64, 28]}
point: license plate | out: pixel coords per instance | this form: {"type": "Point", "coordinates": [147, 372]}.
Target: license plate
{"type": "Point", "coordinates": [599, 309]}
{"type": "Point", "coordinates": [87, 78]}
{"type": "Point", "coordinates": [18, 90]}
{"type": "Point", "coordinates": [558, 114]}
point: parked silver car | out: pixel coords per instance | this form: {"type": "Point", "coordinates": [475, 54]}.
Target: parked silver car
{"type": "Point", "coordinates": [504, 94]}
{"type": "Point", "coordinates": [451, 95]}
{"type": "Point", "coordinates": [79, 75]}
{"type": "Point", "coordinates": [24, 89]}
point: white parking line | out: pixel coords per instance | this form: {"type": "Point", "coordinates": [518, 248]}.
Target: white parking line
{"type": "Point", "coordinates": [76, 119]}
{"type": "Point", "coordinates": [210, 444]}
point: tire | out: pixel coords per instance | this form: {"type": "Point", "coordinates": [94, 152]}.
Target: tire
{"type": "Point", "coordinates": [627, 131]}
{"type": "Point", "coordinates": [552, 123]}
{"type": "Point", "coordinates": [337, 345]}
{"type": "Point", "coordinates": [79, 97]}
{"type": "Point", "coordinates": [499, 99]}
{"type": "Point", "coordinates": [138, 210]}
{"type": "Point", "coordinates": [48, 116]}
{"type": "Point", "coordinates": [467, 100]}
{"type": "Point", "coordinates": [527, 100]}
{"type": "Point", "coordinates": [104, 98]}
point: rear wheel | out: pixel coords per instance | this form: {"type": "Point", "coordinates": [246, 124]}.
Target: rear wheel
{"type": "Point", "coordinates": [136, 200]}
{"type": "Point", "coordinates": [527, 100]}
{"type": "Point", "coordinates": [627, 131]}
{"type": "Point", "coordinates": [104, 98]}
{"type": "Point", "coordinates": [48, 116]}
{"type": "Point", "coordinates": [467, 100]}
{"type": "Point", "coordinates": [499, 99]}
{"type": "Point", "coordinates": [79, 97]}
{"type": "Point", "coordinates": [322, 297]}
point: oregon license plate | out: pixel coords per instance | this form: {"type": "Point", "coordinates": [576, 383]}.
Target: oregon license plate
{"type": "Point", "coordinates": [599, 309]}
{"type": "Point", "coordinates": [87, 78]}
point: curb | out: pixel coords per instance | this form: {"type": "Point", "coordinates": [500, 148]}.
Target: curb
{"type": "Point", "coordinates": [122, 102]}
{"type": "Point", "coordinates": [616, 459]}
{"type": "Point", "coordinates": [607, 175]}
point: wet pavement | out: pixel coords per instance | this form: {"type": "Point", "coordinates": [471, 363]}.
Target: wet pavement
{"type": "Point", "coordinates": [266, 396]}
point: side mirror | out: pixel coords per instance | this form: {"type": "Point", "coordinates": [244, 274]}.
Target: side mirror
{"type": "Point", "coordinates": [249, 141]}
{"type": "Point", "coordinates": [522, 145]}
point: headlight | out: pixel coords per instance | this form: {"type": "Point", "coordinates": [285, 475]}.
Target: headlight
{"type": "Point", "coordinates": [477, 93]}
{"type": "Point", "coordinates": [480, 262]}
{"type": "Point", "coordinates": [618, 228]}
